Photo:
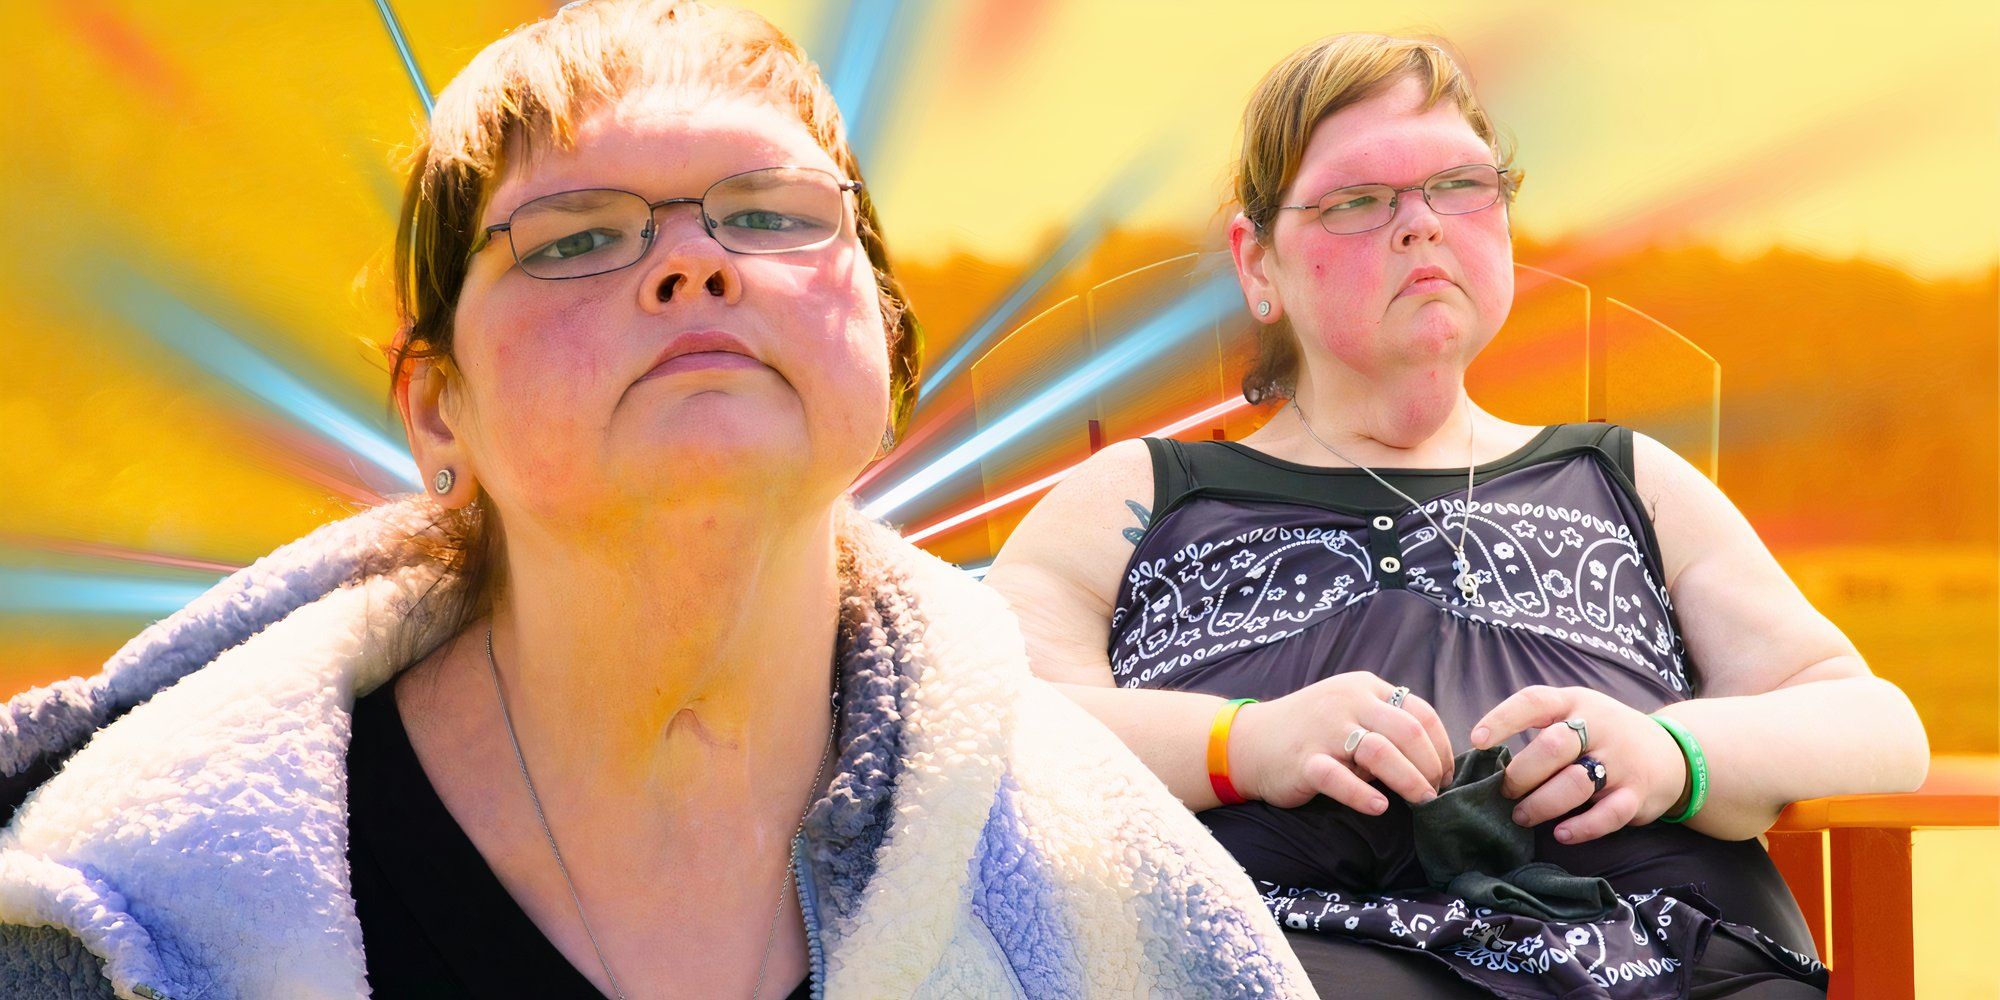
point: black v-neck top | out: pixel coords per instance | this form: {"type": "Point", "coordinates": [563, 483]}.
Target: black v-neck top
{"type": "Point", "coordinates": [435, 921]}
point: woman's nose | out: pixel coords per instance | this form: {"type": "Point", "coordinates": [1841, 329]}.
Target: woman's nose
{"type": "Point", "coordinates": [687, 261]}
{"type": "Point", "coordinates": [1416, 222]}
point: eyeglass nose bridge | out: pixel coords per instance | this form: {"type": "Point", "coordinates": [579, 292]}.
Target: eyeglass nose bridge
{"type": "Point", "coordinates": [652, 229]}
{"type": "Point", "coordinates": [1396, 201]}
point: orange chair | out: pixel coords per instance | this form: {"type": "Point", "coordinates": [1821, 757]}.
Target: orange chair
{"type": "Point", "coordinates": [1860, 845]}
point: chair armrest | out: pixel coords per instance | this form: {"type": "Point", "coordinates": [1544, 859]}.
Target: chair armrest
{"type": "Point", "coordinates": [1961, 790]}
{"type": "Point", "coordinates": [1853, 851]}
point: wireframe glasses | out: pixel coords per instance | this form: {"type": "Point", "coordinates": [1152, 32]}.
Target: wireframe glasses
{"type": "Point", "coordinates": [575, 234]}
{"type": "Point", "coordinates": [1359, 208]}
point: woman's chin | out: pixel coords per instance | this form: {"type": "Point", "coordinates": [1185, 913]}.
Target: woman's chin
{"type": "Point", "coordinates": [729, 416]}
{"type": "Point", "coordinates": [729, 454]}
{"type": "Point", "coordinates": [1435, 334]}
{"type": "Point", "coordinates": [750, 453]}
{"type": "Point", "coordinates": [1427, 348]}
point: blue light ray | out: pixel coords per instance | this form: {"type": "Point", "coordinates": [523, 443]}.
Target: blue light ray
{"type": "Point", "coordinates": [403, 49]}
{"type": "Point", "coordinates": [1207, 303]}
{"type": "Point", "coordinates": [860, 81]}
{"type": "Point", "coordinates": [1111, 204]}
{"type": "Point", "coordinates": [58, 592]}
{"type": "Point", "coordinates": [180, 327]}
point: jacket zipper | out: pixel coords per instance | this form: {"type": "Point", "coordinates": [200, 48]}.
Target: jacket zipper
{"type": "Point", "coordinates": [808, 907]}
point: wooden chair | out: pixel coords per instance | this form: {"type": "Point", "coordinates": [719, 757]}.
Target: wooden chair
{"type": "Point", "coordinates": [1860, 846]}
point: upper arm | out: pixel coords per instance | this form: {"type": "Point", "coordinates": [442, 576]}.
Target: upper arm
{"type": "Point", "coordinates": [1745, 623]}
{"type": "Point", "coordinates": [1061, 568]}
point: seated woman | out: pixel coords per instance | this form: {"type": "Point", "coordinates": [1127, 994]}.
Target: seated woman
{"type": "Point", "coordinates": [632, 702]}
{"type": "Point", "coordinates": [1396, 573]}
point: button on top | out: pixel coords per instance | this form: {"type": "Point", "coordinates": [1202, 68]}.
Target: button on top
{"type": "Point", "coordinates": [1390, 564]}
{"type": "Point", "coordinates": [1384, 522]}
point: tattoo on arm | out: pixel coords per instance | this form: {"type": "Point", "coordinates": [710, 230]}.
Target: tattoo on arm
{"type": "Point", "coordinates": [1145, 518]}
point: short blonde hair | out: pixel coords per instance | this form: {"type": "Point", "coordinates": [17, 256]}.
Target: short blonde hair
{"type": "Point", "coordinates": [1291, 100]}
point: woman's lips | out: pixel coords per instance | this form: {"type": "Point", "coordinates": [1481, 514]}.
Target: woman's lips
{"type": "Point", "coordinates": [1425, 286]}
{"type": "Point", "coordinates": [700, 360]}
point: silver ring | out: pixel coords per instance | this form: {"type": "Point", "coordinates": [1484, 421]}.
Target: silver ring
{"type": "Point", "coordinates": [1396, 697]}
{"type": "Point", "coordinates": [1354, 739]}
{"type": "Point", "coordinates": [1582, 735]}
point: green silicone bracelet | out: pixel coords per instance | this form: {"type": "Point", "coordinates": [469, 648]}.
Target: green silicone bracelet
{"type": "Point", "coordinates": [1697, 767]}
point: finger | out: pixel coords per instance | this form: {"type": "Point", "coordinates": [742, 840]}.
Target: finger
{"type": "Point", "coordinates": [1570, 788]}
{"type": "Point", "coordinates": [1433, 725]}
{"type": "Point", "coordinates": [1410, 739]}
{"type": "Point", "coordinates": [1612, 813]}
{"type": "Point", "coordinates": [1332, 779]}
{"type": "Point", "coordinates": [1390, 767]}
{"type": "Point", "coordinates": [1553, 750]}
{"type": "Point", "coordinates": [1537, 706]}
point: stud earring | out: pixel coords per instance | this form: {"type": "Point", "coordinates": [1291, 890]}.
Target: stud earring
{"type": "Point", "coordinates": [1264, 308]}
{"type": "Point", "coordinates": [442, 481]}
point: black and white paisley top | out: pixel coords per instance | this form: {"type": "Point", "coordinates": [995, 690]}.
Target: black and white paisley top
{"type": "Point", "coordinates": [1255, 577]}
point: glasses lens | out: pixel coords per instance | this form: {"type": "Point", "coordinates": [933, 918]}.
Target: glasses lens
{"type": "Point", "coordinates": [578, 233]}
{"type": "Point", "coordinates": [774, 210]}
{"type": "Point", "coordinates": [1357, 209]}
{"type": "Point", "coordinates": [1466, 189]}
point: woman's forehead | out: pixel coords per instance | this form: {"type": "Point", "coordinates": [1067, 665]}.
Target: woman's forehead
{"type": "Point", "coordinates": [1379, 141]}
{"type": "Point", "coordinates": [660, 150]}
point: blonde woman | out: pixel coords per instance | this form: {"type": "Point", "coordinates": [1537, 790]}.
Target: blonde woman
{"type": "Point", "coordinates": [1394, 574]}
{"type": "Point", "coordinates": [631, 702]}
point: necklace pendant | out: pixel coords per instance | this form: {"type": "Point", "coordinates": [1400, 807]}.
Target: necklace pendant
{"type": "Point", "coordinates": [1467, 585]}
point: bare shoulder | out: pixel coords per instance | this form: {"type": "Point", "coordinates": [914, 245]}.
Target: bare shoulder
{"type": "Point", "coordinates": [1061, 568]}
{"type": "Point", "coordinates": [1692, 518]}
{"type": "Point", "coordinates": [1745, 621]}
{"type": "Point", "coordinates": [1109, 489]}
{"type": "Point", "coordinates": [1090, 520]}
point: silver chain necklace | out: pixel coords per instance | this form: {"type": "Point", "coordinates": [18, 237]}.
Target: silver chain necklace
{"type": "Point", "coordinates": [1467, 585]}
{"type": "Point", "coordinates": [770, 936]}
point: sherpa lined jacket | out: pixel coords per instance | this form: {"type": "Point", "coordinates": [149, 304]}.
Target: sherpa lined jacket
{"type": "Point", "coordinates": [985, 837]}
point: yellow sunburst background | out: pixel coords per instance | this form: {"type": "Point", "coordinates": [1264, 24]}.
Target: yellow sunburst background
{"type": "Point", "coordinates": [1794, 198]}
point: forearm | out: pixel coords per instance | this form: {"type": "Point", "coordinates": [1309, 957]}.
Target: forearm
{"type": "Point", "coordinates": [1166, 730]}
{"type": "Point", "coordinates": [1851, 735]}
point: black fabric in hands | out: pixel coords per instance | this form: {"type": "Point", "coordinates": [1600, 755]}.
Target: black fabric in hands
{"type": "Point", "coordinates": [1469, 845]}
{"type": "Point", "coordinates": [1539, 889]}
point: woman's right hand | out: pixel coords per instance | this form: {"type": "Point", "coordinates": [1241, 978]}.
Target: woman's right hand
{"type": "Point", "coordinates": [1289, 749]}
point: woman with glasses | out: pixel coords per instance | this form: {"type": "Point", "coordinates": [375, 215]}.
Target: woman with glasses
{"type": "Point", "coordinates": [630, 702]}
{"type": "Point", "coordinates": [1299, 631]}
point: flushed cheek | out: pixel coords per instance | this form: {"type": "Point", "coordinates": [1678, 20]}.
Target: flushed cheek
{"type": "Point", "coordinates": [1353, 341]}
{"type": "Point", "coordinates": [559, 346]}
{"type": "Point", "coordinates": [1487, 262]}
{"type": "Point", "coordinates": [836, 318]}
{"type": "Point", "coordinates": [1492, 288]}
{"type": "Point", "coordinates": [551, 376]}
{"type": "Point", "coordinates": [843, 282]}
{"type": "Point", "coordinates": [1334, 273]}
{"type": "Point", "coordinates": [1340, 306]}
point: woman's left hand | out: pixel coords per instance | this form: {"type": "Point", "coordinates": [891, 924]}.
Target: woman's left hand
{"type": "Point", "coordinates": [1644, 770]}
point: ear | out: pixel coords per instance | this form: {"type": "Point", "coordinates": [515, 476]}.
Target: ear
{"type": "Point", "coordinates": [1252, 257]}
{"type": "Point", "coordinates": [431, 399]}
